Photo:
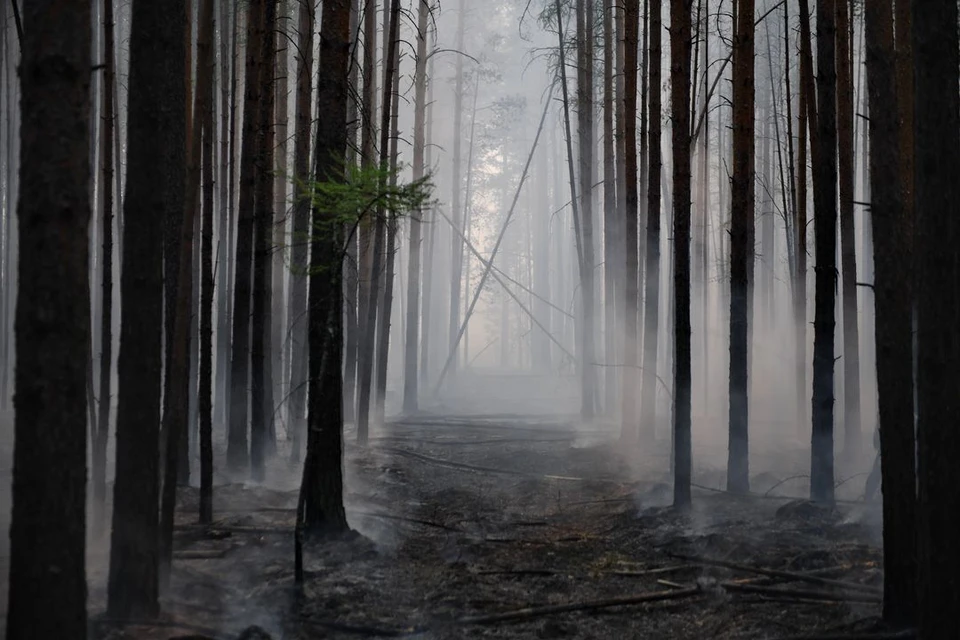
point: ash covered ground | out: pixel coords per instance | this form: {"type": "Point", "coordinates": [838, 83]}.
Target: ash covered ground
{"type": "Point", "coordinates": [526, 525]}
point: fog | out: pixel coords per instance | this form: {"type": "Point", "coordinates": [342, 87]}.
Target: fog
{"type": "Point", "coordinates": [500, 425]}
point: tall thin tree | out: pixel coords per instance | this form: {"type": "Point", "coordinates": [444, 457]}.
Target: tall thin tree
{"type": "Point", "coordinates": [237, 450]}
{"type": "Point", "coordinates": [411, 376]}
{"type": "Point", "coordinates": [680, 46]}
{"type": "Point", "coordinates": [156, 129]}
{"type": "Point", "coordinates": [651, 313]}
{"type": "Point", "coordinates": [825, 223]}
{"type": "Point", "coordinates": [631, 301]}
{"type": "Point", "coordinates": [741, 251]}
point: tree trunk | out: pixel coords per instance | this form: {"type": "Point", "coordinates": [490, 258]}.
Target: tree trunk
{"type": "Point", "coordinates": [276, 411]}
{"type": "Point", "coordinates": [848, 250]}
{"type": "Point", "coordinates": [426, 308]}
{"type": "Point", "coordinates": [585, 138]}
{"type": "Point", "coordinates": [205, 57]}
{"type": "Point", "coordinates": [648, 395]}
{"type": "Point", "coordinates": [237, 453]}
{"type": "Point", "coordinates": [680, 45]}
{"type": "Point", "coordinates": [301, 231]}
{"type": "Point", "coordinates": [937, 161]}
{"type": "Point", "coordinates": [175, 421]}
{"type": "Point", "coordinates": [47, 577]}
{"type": "Point", "coordinates": [373, 262]}
{"type": "Point", "coordinates": [631, 306]}
{"type": "Point", "coordinates": [808, 127]}
{"type": "Point", "coordinates": [102, 431]}
{"type": "Point", "coordinates": [322, 488]}
{"type": "Point", "coordinates": [741, 251]}
{"type": "Point", "coordinates": [386, 306]}
{"type": "Point", "coordinates": [825, 223]}
{"type": "Point", "coordinates": [261, 404]}
{"type": "Point", "coordinates": [226, 236]}
{"type": "Point", "coordinates": [410, 374]}
{"type": "Point", "coordinates": [611, 222]}
{"type": "Point", "coordinates": [156, 128]}
{"type": "Point", "coordinates": [456, 200]}
{"type": "Point", "coordinates": [893, 295]}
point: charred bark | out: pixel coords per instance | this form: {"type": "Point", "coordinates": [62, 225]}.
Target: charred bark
{"type": "Point", "coordinates": [156, 129]}
{"type": "Point", "coordinates": [48, 590]}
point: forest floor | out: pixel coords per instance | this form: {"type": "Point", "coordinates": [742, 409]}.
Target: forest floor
{"type": "Point", "coordinates": [509, 526]}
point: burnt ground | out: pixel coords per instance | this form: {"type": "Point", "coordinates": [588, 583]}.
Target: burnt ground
{"type": "Point", "coordinates": [464, 520]}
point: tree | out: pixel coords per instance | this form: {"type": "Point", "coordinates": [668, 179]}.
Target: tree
{"type": "Point", "coordinates": [156, 129]}
{"type": "Point", "coordinates": [585, 90]}
{"type": "Point", "coordinates": [936, 65]}
{"type": "Point", "coordinates": [456, 200]}
{"type": "Point", "coordinates": [102, 430]}
{"type": "Point", "coordinates": [301, 229]}
{"type": "Point", "coordinates": [261, 405]}
{"type": "Point", "coordinates": [175, 419]}
{"type": "Point", "coordinates": [48, 589]}
{"type": "Point", "coordinates": [205, 44]}
{"type": "Point", "coordinates": [741, 249]}
{"type": "Point", "coordinates": [240, 357]}
{"type": "Point", "coordinates": [893, 296]}
{"type": "Point", "coordinates": [321, 492]}
{"type": "Point", "coordinates": [651, 317]}
{"type": "Point", "coordinates": [825, 223]}
{"type": "Point", "coordinates": [680, 46]}
{"type": "Point", "coordinates": [631, 302]}
{"type": "Point", "coordinates": [385, 306]}
{"type": "Point", "coordinates": [848, 250]}
{"type": "Point", "coordinates": [612, 223]}
{"type": "Point", "coordinates": [411, 339]}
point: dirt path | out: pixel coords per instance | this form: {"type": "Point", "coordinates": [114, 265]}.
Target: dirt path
{"type": "Point", "coordinates": [472, 517]}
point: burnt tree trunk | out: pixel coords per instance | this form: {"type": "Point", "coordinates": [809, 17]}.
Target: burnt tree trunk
{"type": "Point", "coordinates": [680, 46]}
{"type": "Point", "coordinates": [156, 129]}
{"type": "Point", "coordinates": [893, 296]}
{"type": "Point", "coordinates": [237, 452]}
{"type": "Point", "coordinates": [322, 487]}
{"type": "Point", "coordinates": [301, 231]}
{"type": "Point", "coordinates": [205, 44]}
{"type": "Point", "coordinates": [741, 250]}
{"type": "Point", "coordinates": [631, 302]}
{"type": "Point", "coordinates": [651, 317]}
{"type": "Point", "coordinates": [825, 229]}
{"type": "Point", "coordinates": [937, 162]}
{"type": "Point", "coordinates": [261, 405]}
{"type": "Point", "coordinates": [48, 589]}
{"type": "Point", "coordinates": [848, 251]}
{"type": "Point", "coordinates": [176, 419]}
{"type": "Point", "coordinates": [102, 430]}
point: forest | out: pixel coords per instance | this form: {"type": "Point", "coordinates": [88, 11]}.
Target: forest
{"type": "Point", "coordinates": [479, 319]}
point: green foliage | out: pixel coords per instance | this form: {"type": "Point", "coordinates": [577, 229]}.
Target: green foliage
{"type": "Point", "coordinates": [363, 194]}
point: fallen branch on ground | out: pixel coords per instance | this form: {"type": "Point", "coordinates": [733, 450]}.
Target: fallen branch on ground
{"type": "Point", "coordinates": [470, 467]}
{"type": "Point", "coordinates": [653, 572]}
{"type": "Point", "coordinates": [790, 575]}
{"type": "Point", "coordinates": [193, 554]}
{"type": "Point", "coordinates": [802, 593]}
{"type": "Point", "coordinates": [761, 496]}
{"type": "Point", "coordinates": [528, 613]}
{"type": "Point", "coordinates": [519, 572]}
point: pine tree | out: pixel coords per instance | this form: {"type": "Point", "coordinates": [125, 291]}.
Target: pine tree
{"type": "Point", "coordinates": [47, 580]}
